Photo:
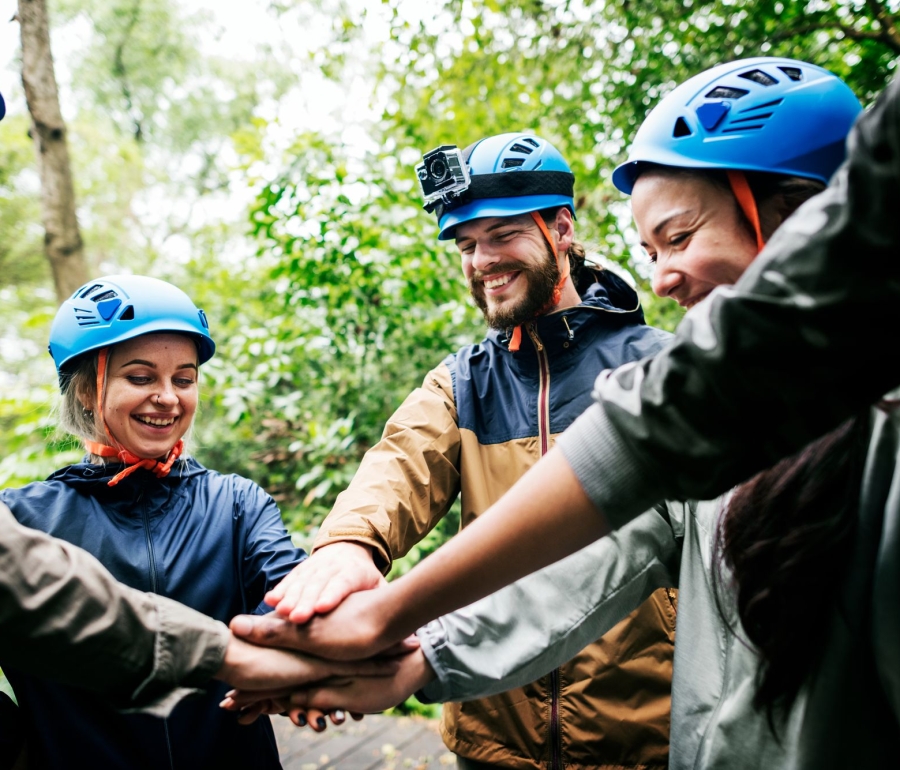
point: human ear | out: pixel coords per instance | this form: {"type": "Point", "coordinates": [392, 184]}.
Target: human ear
{"type": "Point", "coordinates": [565, 228]}
{"type": "Point", "coordinates": [85, 398]}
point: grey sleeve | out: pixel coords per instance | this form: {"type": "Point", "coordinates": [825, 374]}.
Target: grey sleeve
{"type": "Point", "coordinates": [760, 369]}
{"type": "Point", "coordinates": [63, 616]}
{"type": "Point", "coordinates": [523, 631]}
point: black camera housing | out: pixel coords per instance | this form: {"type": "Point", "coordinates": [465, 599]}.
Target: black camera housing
{"type": "Point", "coordinates": [443, 174]}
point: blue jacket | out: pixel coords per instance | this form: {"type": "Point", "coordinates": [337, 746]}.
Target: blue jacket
{"type": "Point", "coordinates": [213, 542]}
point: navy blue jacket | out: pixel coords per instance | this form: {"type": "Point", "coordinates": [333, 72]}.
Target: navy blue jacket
{"type": "Point", "coordinates": [213, 542]}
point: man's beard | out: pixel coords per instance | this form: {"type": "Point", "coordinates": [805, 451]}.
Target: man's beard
{"type": "Point", "coordinates": [541, 280]}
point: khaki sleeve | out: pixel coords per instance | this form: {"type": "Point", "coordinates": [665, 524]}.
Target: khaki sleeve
{"type": "Point", "coordinates": [407, 481]}
{"type": "Point", "coordinates": [63, 616]}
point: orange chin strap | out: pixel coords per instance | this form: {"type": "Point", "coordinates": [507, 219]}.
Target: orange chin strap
{"type": "Point", "coordinates": [515, 342]}
{"type": "Point", "coordinates": [741, 189]}
{"type": "Point", "coordinates": [132, 461]}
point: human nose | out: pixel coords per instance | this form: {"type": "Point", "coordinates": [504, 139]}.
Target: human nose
{"type": "Point", "coordinates": [483, 258]}
{"type": "Point", "coordinates": [665, 280]}
{"type": "Point", "coordinates": [166, 397]}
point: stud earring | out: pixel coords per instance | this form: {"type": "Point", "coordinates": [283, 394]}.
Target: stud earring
{"type": "Point", "coordinates": [87, 413]}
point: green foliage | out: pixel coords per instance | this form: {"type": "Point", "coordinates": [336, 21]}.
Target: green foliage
{"type": "Point", "coordinates": [22, 260]}
{"type": "Point", "coordinates": [339, 299]}
{"type": "Point", "coordinates": [361, 303]}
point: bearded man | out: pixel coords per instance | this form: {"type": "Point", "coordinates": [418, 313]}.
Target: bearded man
{"type": "Point", "coordinates": [480, 420]}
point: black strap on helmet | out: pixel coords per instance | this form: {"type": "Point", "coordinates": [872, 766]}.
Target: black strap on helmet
{"type": "Point", "coordinates": [509, 184]}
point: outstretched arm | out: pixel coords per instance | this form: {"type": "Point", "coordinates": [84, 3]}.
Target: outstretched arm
{"type": "Point", "coordinates": [64, 616]}
{"type": "Point", "coordinates": [403, 487]}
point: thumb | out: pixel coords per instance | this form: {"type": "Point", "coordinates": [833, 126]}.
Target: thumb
{"type": "Point", "coordinates": [267, 630]}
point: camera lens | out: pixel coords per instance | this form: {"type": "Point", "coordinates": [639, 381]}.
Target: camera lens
{"type": "Point", "coordinates": [438, 169]}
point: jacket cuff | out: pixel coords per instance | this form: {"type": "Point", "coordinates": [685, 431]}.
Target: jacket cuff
{"type": "Point", "coordinates": [189, 650]}
{"type": "Point", "coordinates": [605, 466]}
{"type": "Point", "coordinates": [380, 554]}
{"type": "Point", "coordinates": [432, 639]}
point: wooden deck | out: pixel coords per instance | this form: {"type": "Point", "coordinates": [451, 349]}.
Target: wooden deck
{"type": "Point", "coordinates": [378, 742]}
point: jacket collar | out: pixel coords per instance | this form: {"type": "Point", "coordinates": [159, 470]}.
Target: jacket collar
{"type": "Point", "coordinates": [86, 476]}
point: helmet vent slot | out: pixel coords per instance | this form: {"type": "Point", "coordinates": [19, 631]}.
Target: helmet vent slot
{"type": "Point", "coordinates": [108, 294]}
{"type": "Point", "coordinates": [681, 129]}
{"type": "Point", "coordinates": [88, 289]}
{"type": "Point", "coordinates": [794, 73]}
{"type": "Point", "coordinates": [86, 318]}
{"type": "Point", "coordinates": [727, 92]}
{"type": "Point", "coordinates": [521, 148]}
{"type": "Point", "coordinates": [740, 128]}
{"type": "Point", "coordinates": [758, 76]}
{"type": "Point", "coordinates": [750, 118]}
{"type": "Point", "coordinates": [127, 314]}
{"type": "Point", "coordinates": [773, 103]}
{"type": "Point", "coordinates": [532, 142]}
{"type": "Point", "coordinates": [512, 162]}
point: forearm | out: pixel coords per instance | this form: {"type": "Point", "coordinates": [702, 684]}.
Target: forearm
{"type": "Point", "coordinates": [64, 616]}
{"type": "Point", "coordinates": [521, 632]}
{"type": "Point", "coordinates": [543, 518]}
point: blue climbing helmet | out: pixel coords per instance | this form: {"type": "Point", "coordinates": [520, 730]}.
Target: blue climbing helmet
{"type": "Point", "coordinates": [116, 308]}
{"type": "Point", "coordinates": [767, 114]}
{"type": "Point", "coordinates": [2, 107]}
{"type": "Point", "coordinates": [501, 176]}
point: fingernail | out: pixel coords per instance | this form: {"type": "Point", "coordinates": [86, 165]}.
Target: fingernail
{"type": "Point", "coordinates": [340, 715]}
{"type": "Point", "coordinates": [241, 625]}
{"type": "Point", "coordinates": [302, 720]}
{"type": "Point", "coordinates": [231, 693]}
{"type": "Point", "coordinates": [320, 721]}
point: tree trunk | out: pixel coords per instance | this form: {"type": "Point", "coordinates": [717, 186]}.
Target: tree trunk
{"type": "Point", "coordinates": [62, 239]}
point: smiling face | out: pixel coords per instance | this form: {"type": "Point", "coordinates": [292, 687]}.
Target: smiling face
{"type": "Point", "coordinates": [509, 267]}
{"type": "Point", "coordinates": [693, 231]}
{"type": "Point", "coordinates": [151, 392]}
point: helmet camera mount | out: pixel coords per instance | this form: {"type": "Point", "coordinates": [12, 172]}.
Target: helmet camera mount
{"type": "Point", "coordinates": [443, 175]}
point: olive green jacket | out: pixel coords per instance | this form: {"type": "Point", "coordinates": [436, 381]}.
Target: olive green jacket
{"type": "Point", "coordinates": [63, 615]}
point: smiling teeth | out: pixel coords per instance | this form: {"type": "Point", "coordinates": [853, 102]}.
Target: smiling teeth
{"type": "Point", "coordinates": [495, 282]}
{"type": "Point", "coordinates": [154, 421]}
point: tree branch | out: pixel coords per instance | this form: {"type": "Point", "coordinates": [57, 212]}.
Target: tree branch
{"type": "Point", "coordinates": [121, 72]}
{"type": "Point", "coordinates": [889, 31]}
{"type": "Point", "coordinates": [880, 36]}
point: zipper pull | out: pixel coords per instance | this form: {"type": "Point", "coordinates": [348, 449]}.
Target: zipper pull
{"type": "Point", "coordinates": [534, 337]}
{"type": "Point", "coordinates": [568, 329]}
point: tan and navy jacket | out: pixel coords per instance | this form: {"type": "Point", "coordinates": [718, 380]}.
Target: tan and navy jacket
{"type": "Point", "coordinates": [480, 420]}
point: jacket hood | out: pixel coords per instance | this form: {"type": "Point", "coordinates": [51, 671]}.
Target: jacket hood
{"type": "Point", "coordinates": [600, 290]}
{"type": "Point", "coordinates": [605, 290]}
{"type": "Point", "coordinates": [86, 476]}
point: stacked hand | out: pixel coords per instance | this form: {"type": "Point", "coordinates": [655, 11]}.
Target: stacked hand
{"type": "Point", "coordinates": [316, 606]}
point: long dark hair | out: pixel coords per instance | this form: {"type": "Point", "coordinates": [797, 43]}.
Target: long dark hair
{"type": "Point", "coordinates": [787, 532]}
{"type": "Point", "coordinates": [786, 536]}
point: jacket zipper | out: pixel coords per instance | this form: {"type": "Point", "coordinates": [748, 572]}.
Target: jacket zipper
{"type": "Point", "coordinates": [543, 404]}
{"type": "Point", "coordinates": [154, 587]}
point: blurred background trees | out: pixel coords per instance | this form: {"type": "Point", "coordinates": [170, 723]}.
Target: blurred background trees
{"type": "Point", "coordinates": [262, 159]}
